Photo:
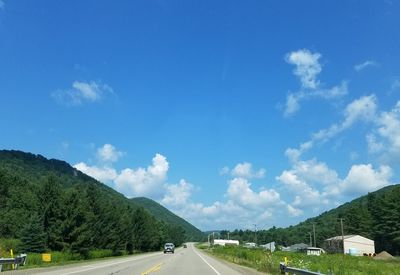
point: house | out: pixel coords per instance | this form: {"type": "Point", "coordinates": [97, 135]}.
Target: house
{"type": "Point", "coordinates": [316, 251]}
{"type": "Point", "coordinates": [269, 246]}
{"type": "Point", "coordinates": [353, 244]}
{"type": "Point", "coordinates": [226, 242]}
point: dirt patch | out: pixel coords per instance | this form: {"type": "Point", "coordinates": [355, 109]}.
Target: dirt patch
{"type": "Point", "coordinates": [383, 256]}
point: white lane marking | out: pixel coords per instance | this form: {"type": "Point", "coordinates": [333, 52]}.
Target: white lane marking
{"type": "Point", "coordinates": [106, 265]}
{"type": "Point", "coordinates": [206, 262]}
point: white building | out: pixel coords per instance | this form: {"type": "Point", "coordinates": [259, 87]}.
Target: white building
{"type": "Point", "coordinates": [353, 245]}
{"type": "Point", "coordinates": [270, 246]}
{"type": "Point", "coordinates": [226, 242]}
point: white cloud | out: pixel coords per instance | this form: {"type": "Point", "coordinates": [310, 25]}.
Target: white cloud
{"type": "Point", "coordinates": [293, 99]}
{"type": "Point", "coordinates": [304, 194]}
{"type": "Point", "coordinates": [82, 92]}
{"type": "Point", "coordinates": [240, 192]}
{"type": "Point", "coordinates": [294, 212]}
{"type": "Point", "coordinates": [102, 174]}
{"type": "Point", "coordinates": [363, 178]}
{"type": "Point", "coordinates": [178, 194]}
{"type": "Point", "coordinates": [374, 146]}
{"type": "Point", "coordinates": [365, 64]}
{"type": "Point", "coordinates": [362, 109]}
{"type": "Point", "coordinates": [144, 181]}
{"type": "Point", "coordinates": [108, 153]}
{"type": "Point", "coordinates": [292, 103]}
{"type": "Point", "coordinates": [385, 138]}
{"type": "Point", "coordinates": [245, 170]}
{"type": "Point", "coordinates": [307, 67]}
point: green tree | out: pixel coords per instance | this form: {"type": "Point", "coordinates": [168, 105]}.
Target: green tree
{"type": "Point", "coordinates": [33, 237]}
{"type": "Point", "coordinates": [51, 209]}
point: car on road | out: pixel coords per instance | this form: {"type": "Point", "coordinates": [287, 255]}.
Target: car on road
{"type": "Point", "coordinates": [184, 245]}
{"type": "Point", "coordinates": [169, 248]}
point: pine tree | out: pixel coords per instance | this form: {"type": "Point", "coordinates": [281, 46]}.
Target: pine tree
{"type": "Point", "coordinates": [33, 236]}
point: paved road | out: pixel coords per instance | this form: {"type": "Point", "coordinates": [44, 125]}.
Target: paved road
{"type": "Point", "coordinates": [185, 261]}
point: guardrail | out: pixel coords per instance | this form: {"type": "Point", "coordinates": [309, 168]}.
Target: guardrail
{"type": "Point", "coordinates": [17, 261]}
{"type": "Point", "coordinates": [292, 270]}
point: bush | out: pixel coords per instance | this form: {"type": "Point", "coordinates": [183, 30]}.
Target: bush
{"type": "Point", "coordinates": [7, 244]}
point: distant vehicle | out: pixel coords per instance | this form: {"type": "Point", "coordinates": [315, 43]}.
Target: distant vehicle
{"type": "Point", "coordinates": [184, 245]}
{"type": "Point", "coordinates": [169, 247]}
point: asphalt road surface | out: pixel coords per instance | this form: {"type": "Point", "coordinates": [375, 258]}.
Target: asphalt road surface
{"type": "Point", "coordinates": [185, 261]}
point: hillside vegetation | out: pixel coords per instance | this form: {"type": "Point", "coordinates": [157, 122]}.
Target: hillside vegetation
{"type": "Point", "coordinates": [47, 205]}
{"type": "Point", "coordinates": [163, 214]}
{"type": "Point", "coordinates": [375, 216]}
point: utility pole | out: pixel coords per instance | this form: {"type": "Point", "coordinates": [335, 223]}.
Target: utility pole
{"type": "Point", "coordinates": [315, 241]}
{"type": "Point", "coordinates": [341, 226]}
{"type": "Point", "coordinates": [255, 234]}
{"type": "Point", "coordinates": [310, 238]}
{"type": "Point", "coordinates": [228, 236]}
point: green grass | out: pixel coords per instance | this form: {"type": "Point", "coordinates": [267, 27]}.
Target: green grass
{"type": "Point", "coordinates": [34, 260]}
{"type": "Point", "coordinates": [328, 263]}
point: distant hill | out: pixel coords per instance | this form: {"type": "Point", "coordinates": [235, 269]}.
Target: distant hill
{"type": "Point", "coordinates": [163, 214]}
{"type": "Point", "coordinates": [30, 170]}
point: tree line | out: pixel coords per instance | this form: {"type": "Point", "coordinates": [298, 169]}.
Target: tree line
{"type": "Point", "coordinates": [46, 216]}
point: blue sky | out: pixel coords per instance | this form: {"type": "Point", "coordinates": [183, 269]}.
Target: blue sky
{"type": "Point", "coordinates": [229, 113]}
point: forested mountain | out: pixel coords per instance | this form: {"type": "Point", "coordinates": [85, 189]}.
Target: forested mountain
{"type": "Point", "coordinates": [375, 216]}
{"type": "Point", "coordinates": [163, 214]}
{"type": "Point", "coordinates": [49, 205]}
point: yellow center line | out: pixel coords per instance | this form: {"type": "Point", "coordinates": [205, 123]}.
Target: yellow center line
{"type": "Point", "coordinates": [154, 268]}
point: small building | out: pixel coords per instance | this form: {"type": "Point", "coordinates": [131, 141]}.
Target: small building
{"type": "Point", "coordinates": [353, 245]}
{"type": "Point", "coordinates": [315, 251]}
{"type": "Point", "coordinates": [225, 242]}
{"type": "Point", "coordinates": [250, 245]}
{"type": "Point", "coordinates": [269, 246]}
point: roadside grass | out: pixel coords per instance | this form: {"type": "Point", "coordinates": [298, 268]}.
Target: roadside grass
{"type": "Point", "coordinates": [328, 263]}
{"type": "Point", "coordinates": [34, 260]}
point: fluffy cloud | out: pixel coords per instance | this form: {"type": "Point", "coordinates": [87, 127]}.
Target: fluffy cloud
{"type": "Point", "coordinates": [314, 184]}
{"type": "Point", "coordinates": [304, 194]}
{"type": "Point", "coordinates": [82, 92]}
{"type": "Point", "coordinates": [143, 181]}
{"type": "Point", "coordinates": [384, 139]}
{"type": "Point", "coordinates": [307, 68]}
{"type": "Point", "coordinates": [239, 191]}
{"type": "Point", "coordinates": [108, 153]}
{"type": "Point", "coordinates": [363, 178]}
{"type": "Point", "coordinates": [178, 194]}
{"type": "Point", "coordinates": [361, 109]}
{"type": "Point", "coordinates": [242, 201]}
{"type": "Point", "coordinates": [365, 64]}
{"type": "Point", "coordinates": [140, 181]}
{"type": "Point", "coordinates": [294, 212]}
{"type": "Point", "coordinates": [102, 174]}
{"type": "Point", "coordinates": [245, 170]}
